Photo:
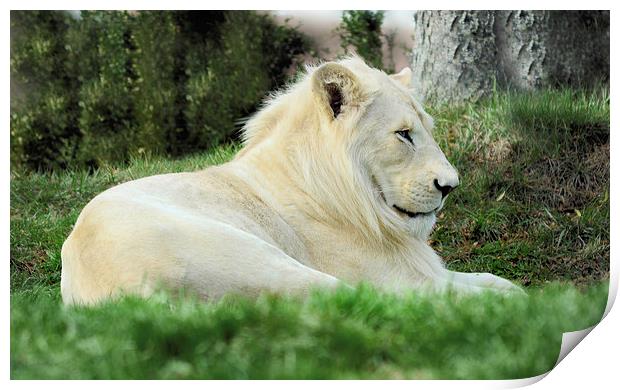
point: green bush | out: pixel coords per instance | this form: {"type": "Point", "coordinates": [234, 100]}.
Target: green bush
{"type": "Point", "coordinates": [107, 97]}
{"type": "Point", "coordinates": [43, 118]}
{"type": "Point", "coordinates": [251, 57]}
{"type": "Point", "coordinates": [112, 84]}
{"type": "Point", "coordinates": [157, 95]}
{"type": "Point", "coordinates": [361, 30]}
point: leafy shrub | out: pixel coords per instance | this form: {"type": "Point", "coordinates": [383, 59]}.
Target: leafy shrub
{"type": "Point", "coordinates": [113, 84]}
{"type": "Point", "coordinates": [43, 118]}
{"type": "Point", "coordinates": [107, 97]}
{"type": "Point", "coordinates": [159, 80]}
{"type": "Point", "coordinates": [362, 31]}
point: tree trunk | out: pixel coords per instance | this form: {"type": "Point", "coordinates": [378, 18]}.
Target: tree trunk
{"type": "Point", "coordinates": [460, 55]}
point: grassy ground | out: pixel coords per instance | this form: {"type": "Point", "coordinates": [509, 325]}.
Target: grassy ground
{"type": "Point", "coordinates": [359, 334]}
{"type": "Point", "coordinates": [533, 207]}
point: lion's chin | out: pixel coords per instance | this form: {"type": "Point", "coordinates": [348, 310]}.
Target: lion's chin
{"type": "Point", "coordinates": [422, 226]}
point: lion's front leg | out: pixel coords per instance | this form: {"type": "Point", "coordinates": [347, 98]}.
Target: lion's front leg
{"type": "Point", "coordinates": [477, 282]}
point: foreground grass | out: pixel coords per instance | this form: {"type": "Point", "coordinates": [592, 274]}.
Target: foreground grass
{"type": "Point", "coordinates": [347, 334]}
{"type": "Point", "coordinates": [533, 207]}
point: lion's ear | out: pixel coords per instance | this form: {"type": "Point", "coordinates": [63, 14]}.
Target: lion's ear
{"type": "Point", "coordinates": [335, 87]}
{"type": "Point", "coordinates": [403, 77]}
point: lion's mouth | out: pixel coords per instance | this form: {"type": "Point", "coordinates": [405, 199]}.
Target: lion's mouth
{"type": "Point", "coordinates": [401, 210]}
{"type": "Point", "coordinates": [411, 214]}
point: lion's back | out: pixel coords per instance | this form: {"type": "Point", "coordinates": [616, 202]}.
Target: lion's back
{"type": "Point", "coordinates": [139, 221]}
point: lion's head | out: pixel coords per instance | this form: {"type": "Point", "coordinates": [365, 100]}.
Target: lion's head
{"type": "Point", "coordinates": [362, 148]}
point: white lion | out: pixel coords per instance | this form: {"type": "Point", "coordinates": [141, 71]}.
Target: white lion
{"type": "Point", "coordinates": [339, 180]}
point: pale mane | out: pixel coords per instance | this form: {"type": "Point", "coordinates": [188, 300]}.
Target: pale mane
{"type": "Point", "coordinates": [330, 174]}
{"type": "Point", "coordinates": [277, 107]}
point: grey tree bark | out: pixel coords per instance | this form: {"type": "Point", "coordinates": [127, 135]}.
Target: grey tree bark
{"type": "Point", "coordinates": [461, 55]}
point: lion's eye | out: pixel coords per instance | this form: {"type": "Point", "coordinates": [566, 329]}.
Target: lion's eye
{"type": "Point", "coordinates": [404, 135]}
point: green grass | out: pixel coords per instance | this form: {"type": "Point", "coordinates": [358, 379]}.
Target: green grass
{"type": "Point", "coordinates": [533, 207]}
{"type": "Point", "coordinates": [347, 334]}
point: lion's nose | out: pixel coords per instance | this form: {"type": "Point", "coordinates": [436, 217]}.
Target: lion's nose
{"type": "Point", "coordinates": [445, 188]}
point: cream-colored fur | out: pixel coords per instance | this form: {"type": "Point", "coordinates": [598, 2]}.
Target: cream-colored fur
{"type": "Point", "coordinates": [309, 201]}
